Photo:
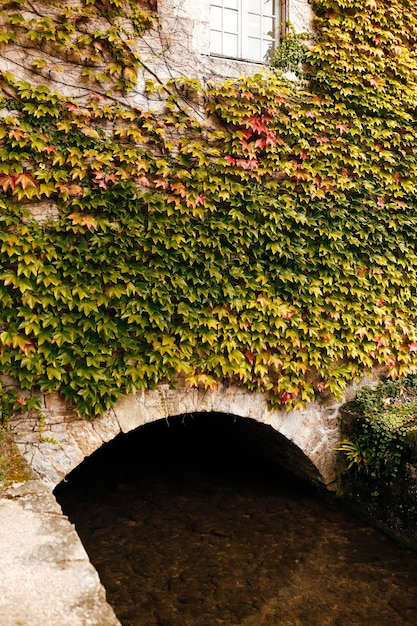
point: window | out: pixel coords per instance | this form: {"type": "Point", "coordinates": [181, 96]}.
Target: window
{"type": "Point", "coordinates": [243, 29]}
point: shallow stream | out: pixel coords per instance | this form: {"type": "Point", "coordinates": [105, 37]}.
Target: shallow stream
{"type": "Point", "coordinates": [186, 529]}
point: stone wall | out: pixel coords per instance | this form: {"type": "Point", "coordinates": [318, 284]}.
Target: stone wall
{"type": "Point", "coordinates": [183, 40]}
{"type": "Point", "coordinates": [177, 46]}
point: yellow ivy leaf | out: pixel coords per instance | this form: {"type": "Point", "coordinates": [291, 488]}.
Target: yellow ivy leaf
{"type": "Point", "coordinates": [83, 220]}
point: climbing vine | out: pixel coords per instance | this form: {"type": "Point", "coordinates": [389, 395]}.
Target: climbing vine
{"type": "Point", "coordinates": [92, 43]}
{"type": "Point", "coordinates": [257, 231]}
{"type": "Point", "coordinates": [291, 54]}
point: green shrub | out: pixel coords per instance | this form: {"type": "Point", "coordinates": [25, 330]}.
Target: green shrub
{"type": "Point", "coordinates": [381, 429]}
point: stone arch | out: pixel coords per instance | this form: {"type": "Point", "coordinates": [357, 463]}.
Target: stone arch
{"type": "Point", "coordinates": [305, 439]}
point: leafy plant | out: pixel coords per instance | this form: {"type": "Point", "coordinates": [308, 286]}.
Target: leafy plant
{"type": "Point", "coordinates": [11, 402]}
{"type": "Point", "coordinates": [291, 53]}
{"type": "Point", "coordinates": [354, 454]}
{"type": "Point", "coordinates": [258, 232]}
{"type": "Point", "coordinates": [382, 428]}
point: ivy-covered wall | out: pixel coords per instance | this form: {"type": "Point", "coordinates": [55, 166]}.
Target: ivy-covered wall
{"type": "Point", "coordinates": [258, 231]}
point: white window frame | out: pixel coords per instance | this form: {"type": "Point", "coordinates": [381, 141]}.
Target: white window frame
{"type": "Point", "coordinates": [242, 31]}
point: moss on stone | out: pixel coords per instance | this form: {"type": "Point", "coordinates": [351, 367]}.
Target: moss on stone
{"type": "Point", "coordinates": [12, 466]}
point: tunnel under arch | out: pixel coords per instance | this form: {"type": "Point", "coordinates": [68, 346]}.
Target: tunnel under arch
{"type": "Point", "coordinates": [212, 439]}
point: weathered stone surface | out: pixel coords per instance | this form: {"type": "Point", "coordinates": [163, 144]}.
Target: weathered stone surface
{"type": "Point", "coordinates": [44, 211]}
{"type": "Point", "coordinates": [46, 577]}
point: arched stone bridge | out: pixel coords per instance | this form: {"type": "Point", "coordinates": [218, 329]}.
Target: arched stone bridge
{"type": "Point", "coordinates": [303, 441]}
{"type": "Point", "coordinates": [39, 543]}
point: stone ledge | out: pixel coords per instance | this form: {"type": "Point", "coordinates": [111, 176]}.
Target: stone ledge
{"type": "Point", "coordinates": [47, 578]}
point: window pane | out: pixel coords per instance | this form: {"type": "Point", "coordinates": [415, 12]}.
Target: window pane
{"type": "Point", "coordinates": [267, 47]}
{"type": "Point", "coordinates": [242, 29]}
{"type": "Point", "coordinates": [268, 7]}
{"type": "Point", "coordinates": [216, 42]}
{"type": "Point", "coordinates": [216, 17]}
{"type": "Point", "coordinates": [254, 49]}
{"type": "Point", "coordinates": [230, 48]}
{"type": "Point", "coordinates": [254, 6]}
{"type": "Point", "coordinates": [230, 21]}
{"type": "Point", "coordinates": [268, 27]}
{"type": "Point", "coordinates": [254, 25]}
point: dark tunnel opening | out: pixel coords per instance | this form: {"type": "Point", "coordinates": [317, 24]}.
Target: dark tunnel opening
{"type": "Point", "coordinates": [204, 442]}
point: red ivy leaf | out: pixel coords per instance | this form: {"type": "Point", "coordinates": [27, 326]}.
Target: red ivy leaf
{"type": "Point", "coordinates": [250, 356]}
{"type": "Point", "coordinates": [179, 188]}
{"type": "Point", "coordinates": [342, 128]}
{"type": "Point", "coordinates": [25, 180]}
{"type": "Point", "coordinates": [7, 181]}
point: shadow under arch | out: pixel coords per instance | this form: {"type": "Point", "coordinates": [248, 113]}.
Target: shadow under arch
{"type": "Point", "coordinates": [207, 438]}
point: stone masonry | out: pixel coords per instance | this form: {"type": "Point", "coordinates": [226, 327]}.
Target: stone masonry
{"type": "Point", "coordinates": [56, 445]}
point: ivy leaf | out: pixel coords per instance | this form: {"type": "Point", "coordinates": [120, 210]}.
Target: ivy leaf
{"type": "Point", "coordinates": [25, 180]}
{"type": "Point", "coordinates": [83, 220]}
{"type": "Point", "coordinates": [7, 181]}
{"type": "Point", "coordinates": [39, 64]}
